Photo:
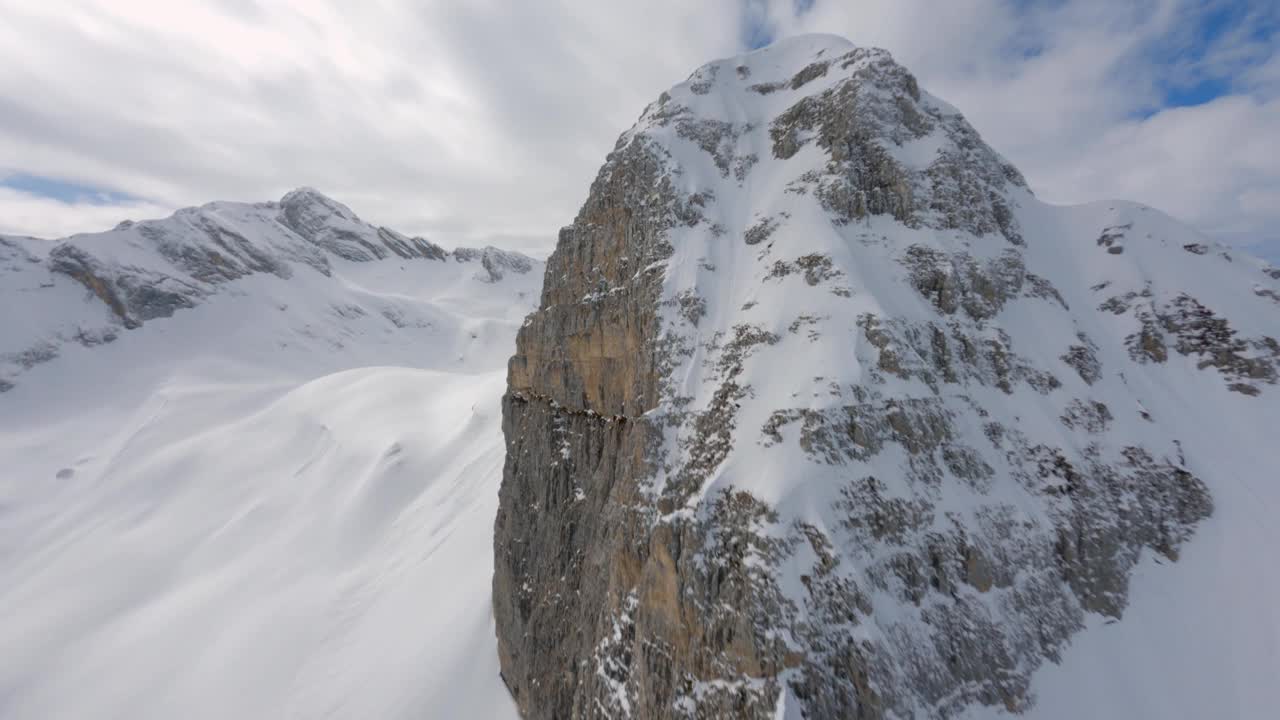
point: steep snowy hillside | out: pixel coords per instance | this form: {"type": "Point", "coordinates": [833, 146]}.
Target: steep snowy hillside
{"type": "Point", "coordinates": [248, 467]}
{"type": "Point", "coordinates": [824, 415]}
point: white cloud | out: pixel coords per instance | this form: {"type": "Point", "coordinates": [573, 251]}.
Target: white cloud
{"type": "Point", "coordinates": [26, 214]}
{"type": "Point", "coordinates": [463, 121]}
{"type": "Point", "coordinates": [485, 121]}
{"type": "Point", "coordinates": [1215, 164]}
{"type": "Point", "coordinates": [1071, 93]}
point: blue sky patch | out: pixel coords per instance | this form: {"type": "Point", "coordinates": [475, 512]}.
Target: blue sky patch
{"type": "Point", "coordinates": [63, 190]}
{"type": "Point", "coordinates": [1269, 251]}
{"type": "Point", "coordinates": [1210, 74]}
{"type": "Point", "coordinates": [756, 32]}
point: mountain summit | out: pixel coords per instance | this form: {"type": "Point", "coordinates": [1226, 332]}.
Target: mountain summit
{"type": "Point", "coordinates": [823, 414]}
{"type": "Point", "coordinates": [249, 461]}
{"type": "Point", "coordinates": [84, 290]}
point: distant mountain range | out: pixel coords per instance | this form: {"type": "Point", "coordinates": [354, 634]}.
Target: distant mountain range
{"type": "Point", "coordinates": [816, 411]}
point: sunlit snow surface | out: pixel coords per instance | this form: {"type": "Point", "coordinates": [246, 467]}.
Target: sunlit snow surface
{"type": "Point", "coordinates": [274, 506]}
{"type": "Point", "coordinates": [261, 508]}
{"type": "Point", "coordinates": [1200, 637]}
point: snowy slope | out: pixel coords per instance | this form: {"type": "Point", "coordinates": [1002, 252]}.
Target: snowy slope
{"type": "Point", "coordinates": [249, 455]}
{"type": "Point", "coordinates": [140, 272]}
{"type": "Point", "coordinates": [276, 502]}
{"type": "Point", "coordinates": [1201, 637]}
{"type": "Point", "coordinates": [994, 455]}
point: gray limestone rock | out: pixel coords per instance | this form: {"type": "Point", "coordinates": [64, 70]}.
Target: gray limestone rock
{"type": "Point", "coordinates": [959, 548]}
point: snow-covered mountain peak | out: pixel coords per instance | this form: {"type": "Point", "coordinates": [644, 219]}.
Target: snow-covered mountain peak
{"type": "Point", "coordinates": [334, 227]}
{"type": "Point", "coordinates": [86, 288]}
{"type": "Point", "coordinates": [853, 128]}
{"type": "Point", "coordinates": [309, 196]}
{"type": "Point", "coordinates": [252, 448]}
{"type": "Point", "coordinates": [841, 421]}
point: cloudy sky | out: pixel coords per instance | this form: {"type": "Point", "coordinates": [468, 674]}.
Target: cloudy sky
{"type": "Point", "coordinates": [484, 121]}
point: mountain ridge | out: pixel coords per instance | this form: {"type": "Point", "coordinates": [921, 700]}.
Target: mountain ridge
{"type": "Point", "coordinates": [147, 270]}
{"type": "Point", "coordinates": [824, 414]}
{"type": "Point", "coordinates": [273, 503]}
{"type": "Point", "coordinates": [818, 413]}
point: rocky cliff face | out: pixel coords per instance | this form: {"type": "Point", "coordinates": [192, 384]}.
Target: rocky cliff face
{"type": "Point", "coordinates": [823, 413]}
{"type": "Point", "coordinates": [148, 270]}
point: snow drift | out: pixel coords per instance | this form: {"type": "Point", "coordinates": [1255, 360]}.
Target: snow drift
{"type": "Point", "coordinates": [270, 495]}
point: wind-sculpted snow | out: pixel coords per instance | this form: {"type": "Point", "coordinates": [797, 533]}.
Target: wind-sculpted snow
{"type": "Point", "coordinates": [274, 501]}
{"type": "Point", "coordinates": [823, 414]}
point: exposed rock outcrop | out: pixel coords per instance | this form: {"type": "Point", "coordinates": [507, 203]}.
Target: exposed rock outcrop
{"type": "Point", "coordinates": [851, 444]}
